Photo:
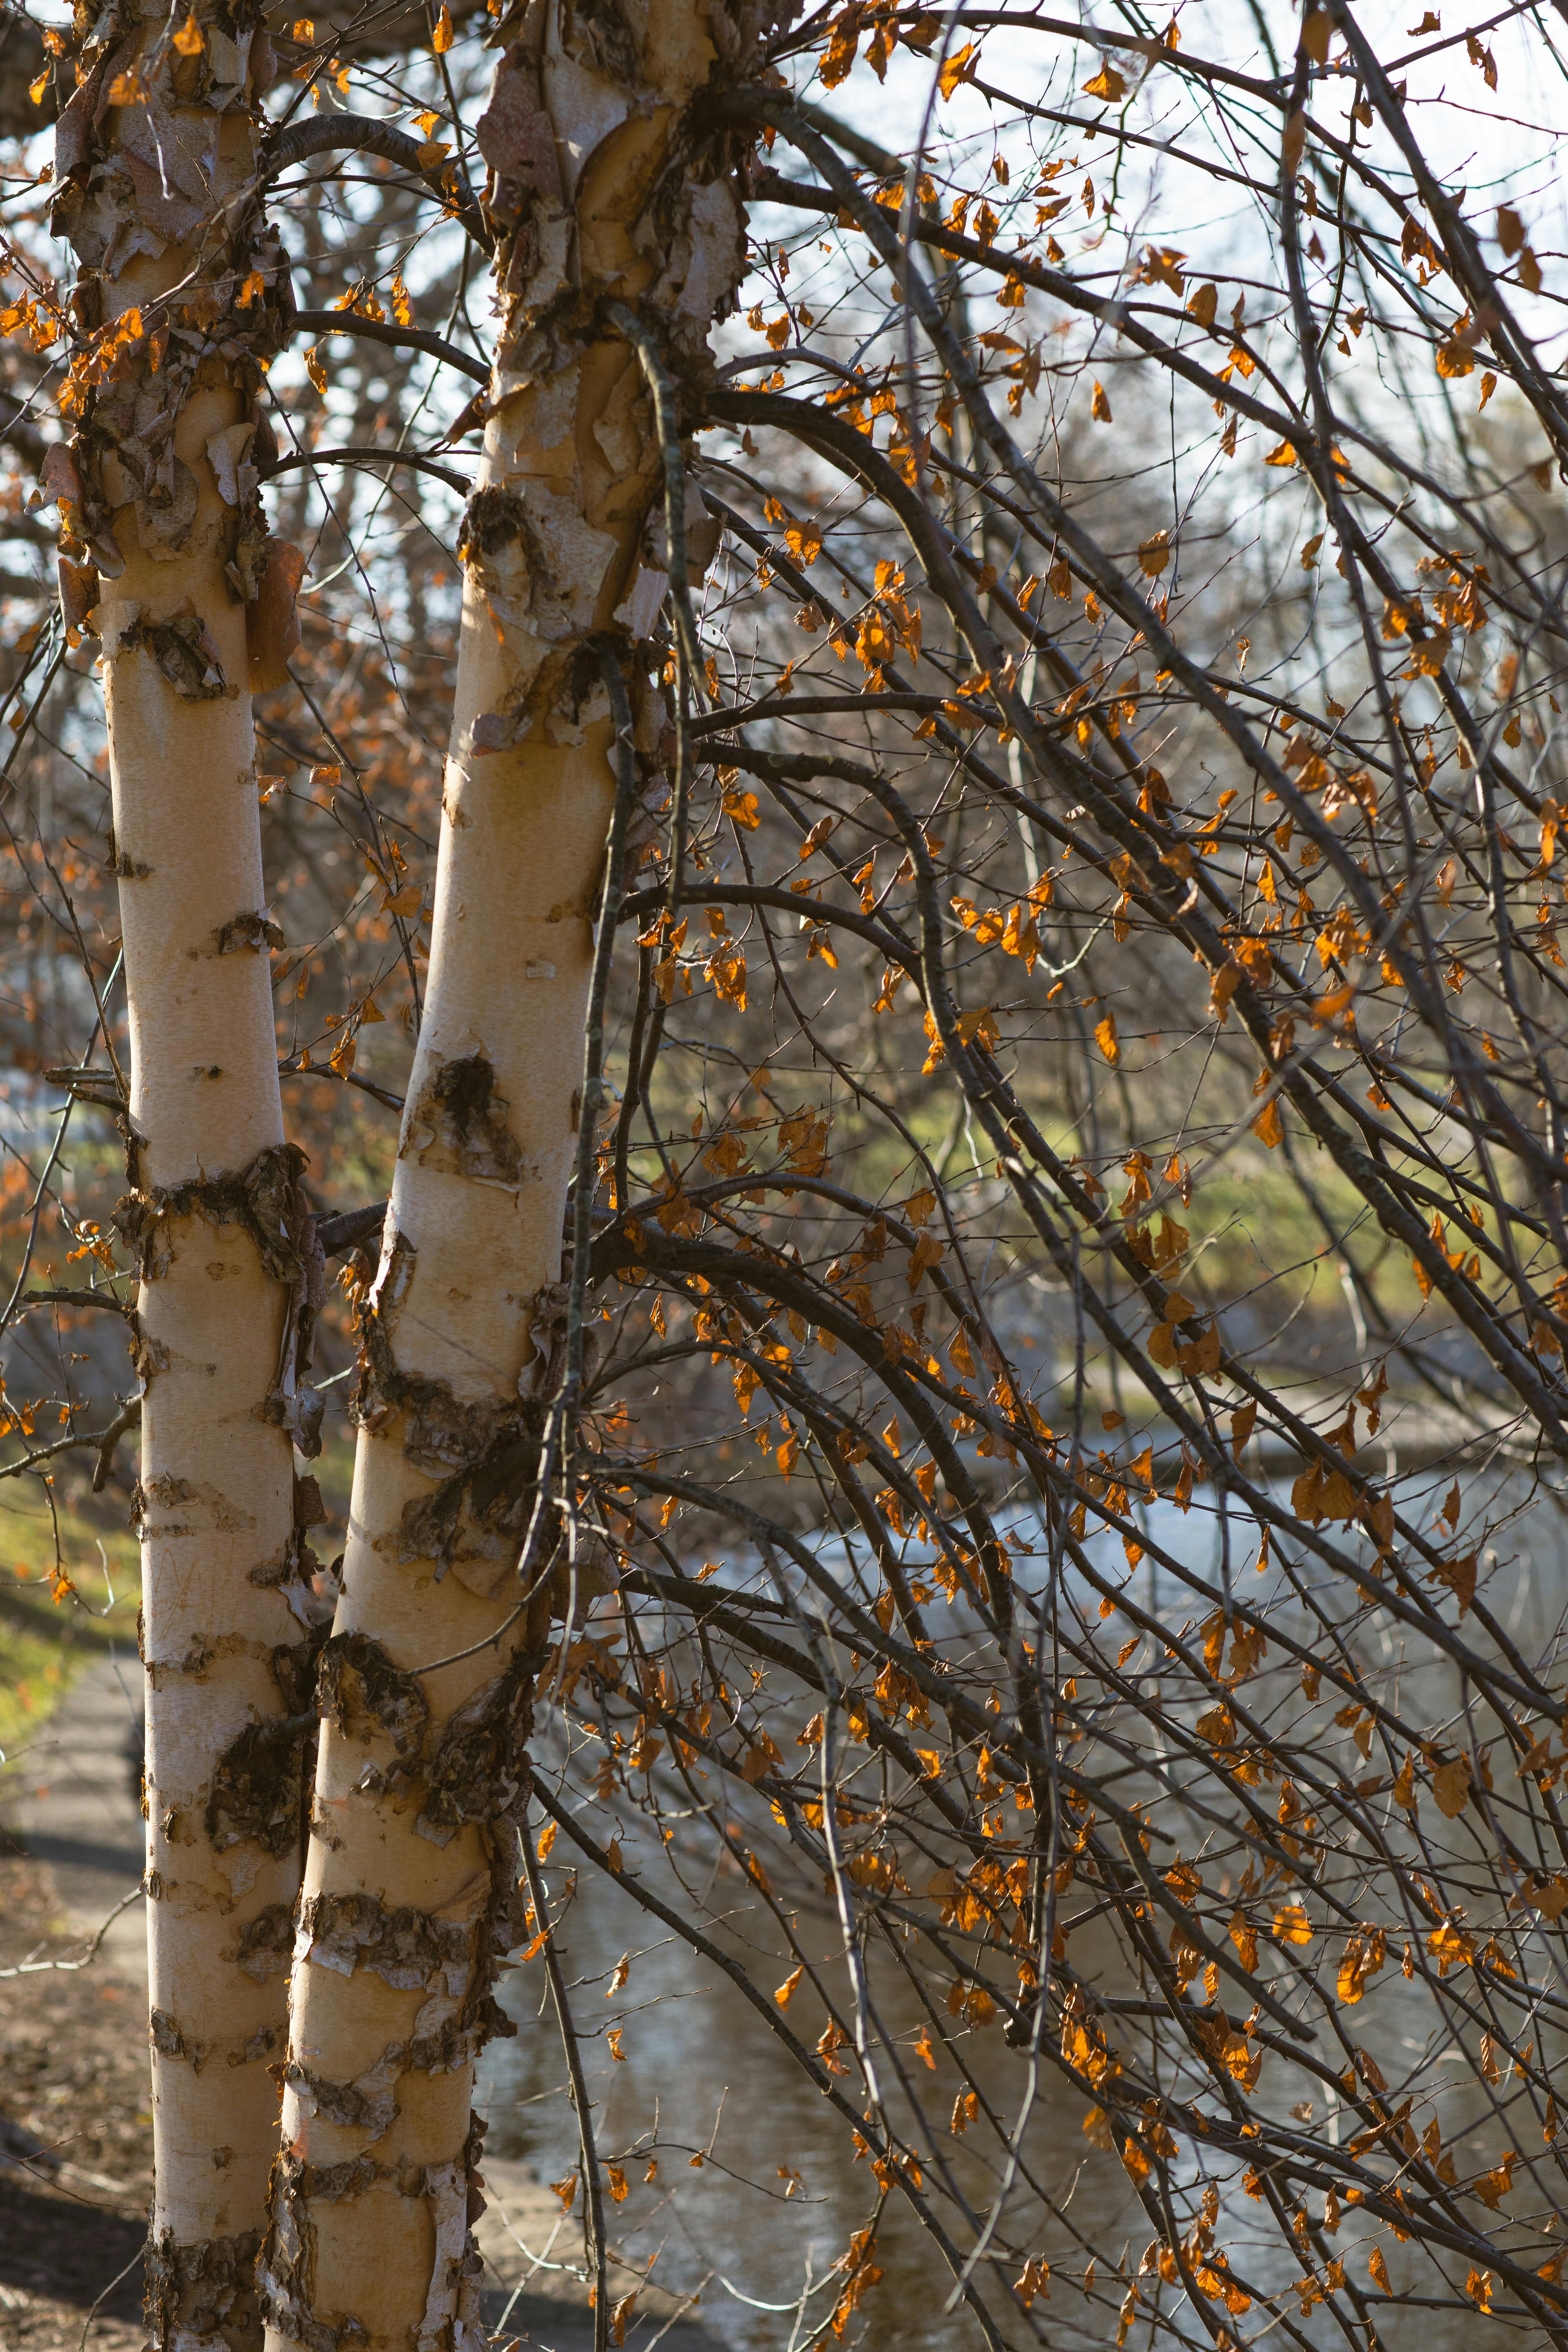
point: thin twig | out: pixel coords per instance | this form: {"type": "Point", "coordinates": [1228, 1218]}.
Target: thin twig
{"type": "Point", "coordinates": [592, 2186]}
{"type": "Point", "coordinates": [68, 1968]}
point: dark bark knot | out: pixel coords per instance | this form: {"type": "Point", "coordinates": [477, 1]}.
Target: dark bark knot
{"type": "Point", "coordinates": [249, 930]}
{"type": "Point", "coordinates": [407, 1947]}
{"type": "Point", "coordinates": [183, 652]}
{"type": "Point", "coordinates": [460, 1126]}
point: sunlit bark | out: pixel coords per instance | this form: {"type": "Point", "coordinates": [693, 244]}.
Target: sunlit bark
{"type": "Point", "coordinates": [410, 1888]}
{"type": "Point", "coordinates": [166, 558]}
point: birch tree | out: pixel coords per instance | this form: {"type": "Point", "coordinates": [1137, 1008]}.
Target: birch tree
{"type": "Point", "coordinates": [618, 235]}
{"type": "Point", "coordinates": [164, 557]}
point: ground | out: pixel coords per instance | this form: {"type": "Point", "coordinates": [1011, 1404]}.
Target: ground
{"type": "Point", "coordinates": [73, 2079]}
{"type": "Point", "coordinates": [75, 2129]}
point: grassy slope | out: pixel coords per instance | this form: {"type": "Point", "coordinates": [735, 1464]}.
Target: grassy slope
{"type": "Point", "coordinates": [45, 1644]}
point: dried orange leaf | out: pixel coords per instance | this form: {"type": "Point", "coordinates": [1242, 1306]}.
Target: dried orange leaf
{"type": "Point", "coordinates": [272, 623]}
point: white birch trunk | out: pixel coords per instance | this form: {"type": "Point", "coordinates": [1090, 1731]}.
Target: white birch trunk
{"type": "Point", "coordinates": [162, 538]}
{"type": "Point", "coordinates": [410, 1892]}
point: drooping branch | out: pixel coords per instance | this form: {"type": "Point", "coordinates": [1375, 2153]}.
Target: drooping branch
{"type": "Point", "coordinates": [363, 134]}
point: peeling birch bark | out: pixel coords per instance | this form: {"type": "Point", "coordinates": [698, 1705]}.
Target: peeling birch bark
{"type": "Point", "coordinates": [180, 297]}
{"type": "Point", "coordinates": [604, 187]}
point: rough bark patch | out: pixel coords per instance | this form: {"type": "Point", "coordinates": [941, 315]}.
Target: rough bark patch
{"type": "Point", "coordinates": [494, 518]}
{"type": "Point", "coordinates": [517, 138]}
{"type": "Point", "coordinates": [206, 2291]}
{"type": "Point", "coordinates": [272, 622]}
{"type": "Point", "coordinates": [485, 1455]}
{"type": "Point", "coordinates": [251, 930]}
{"type": "Point", "coordinates": [481, 1769]}
{"type": "Point", "coordinates": [294, 1666]}
{"type": "Point", "coordinates": [286, 2273]}
{"type": "Point", "coordinates": [364, 1693]}
{"type": "Point", "coordinates": [331, 2183]}
{"type": "Point", "coordinates": [405, 1947]}
{"type": "Point", "coordinates": [265, 1943]}
{"type": "Point", "coordinates": [183, 652]}
{"type": "Point", "coordinates": [451, 2320]}
{"type": "Point", "coordinates": [266, 1198]}
{"type": "Point", "coordinates": [162, 2032]}
{"type": "Point", "coordinates": [369, 2103]}
{"type": "Point", "coordinates": [257, 1789]}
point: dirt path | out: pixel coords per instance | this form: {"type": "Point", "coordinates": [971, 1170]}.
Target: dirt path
{"type": "Point", "coordinates": [74, 2140]}
{"type": "Point", "coordinates": [75, 1798]}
